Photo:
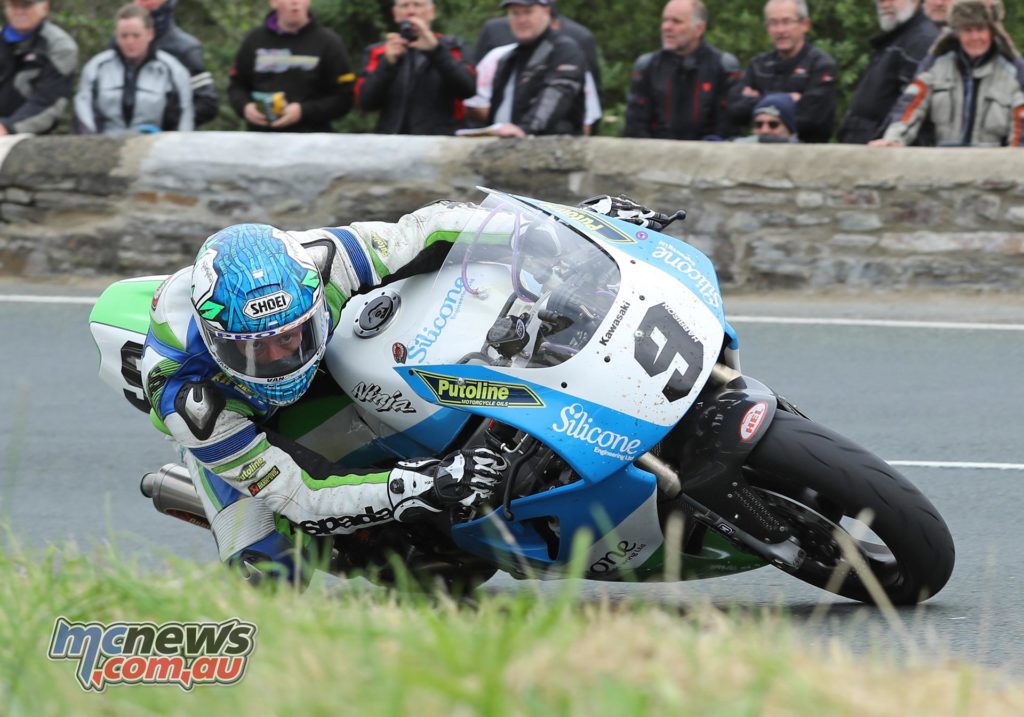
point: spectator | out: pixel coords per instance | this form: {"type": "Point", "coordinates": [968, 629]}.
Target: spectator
{"type": "Point", "coordinates": [796, 67]}
{"type": "Point", "coordinates": [936, 11]}
{"type": "Point", "coordinates": [291, 74]}
{"type": "Point", "coordinates": [186, 49]}
{"type": "Point", "coordinates": [538, 85]}
{"type": "Point", "coordinates": [479, 105]}
{"type": "Point", "coordinates": [418, 84]}
{"type": "Point", "coordinates": [967, 87]}
{"type": "Point", "coordinates": [906, 36]}
{"type": "Point", "coordinates": [681, 91]}
{"type": "Point", "coordinates": [774, 120]}
{"type": "Point", "coordinates": [497, 32]}
{"type": "Point", "coordinates": [37, 67]}
{"type": "Point", "coordinates": [133, 87]}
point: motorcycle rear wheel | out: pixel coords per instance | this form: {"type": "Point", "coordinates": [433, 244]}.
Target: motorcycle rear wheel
{"type": "Point", "coordinates": [814, 478]}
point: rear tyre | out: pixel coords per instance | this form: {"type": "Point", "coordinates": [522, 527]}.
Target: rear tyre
{"type": "Point", "coordinates": [814, 478]}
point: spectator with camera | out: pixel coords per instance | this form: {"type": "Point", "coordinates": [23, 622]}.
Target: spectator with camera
{"type": "Point", "coordinates": [967, 87]}
{"type": "Point", "coordinates": [681, 91]}
{"type": "Point", "coordinates": [186, 49]}
{"type": "Point", "coordinates": [37, 68]}
{"type": "Point", "coordinates": [291, 74]}
{"type": "Point", "coordinates": [416, 78]}
{"type": "Point", "coordinates": [538, 85]}
{"type": "Point", "coordinates": [795, 67]}
{"type": "Point", "coordinates": [133, 87]}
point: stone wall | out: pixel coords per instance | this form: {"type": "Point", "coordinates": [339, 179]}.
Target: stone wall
{"type": "Point", "coordinates": [769, 216]}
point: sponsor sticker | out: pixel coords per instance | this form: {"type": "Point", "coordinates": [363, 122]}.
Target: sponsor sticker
{"type": "Point", "coordinates": [399, 352]}
{"type": "Point", "coordinates": [473, 392]}
{"type": "Point", "coordinates": [576, 423]}
{"type": "Point", "coordinates": [592, 222]}
{"type": "Point", "coordinates": [185, 654]}
{"type": "Point", "coordinates": [268, 305]}
{"type": "Point", "coordinates": [255, 488]}
{"type": "Point", "coordinates": [752, 420]}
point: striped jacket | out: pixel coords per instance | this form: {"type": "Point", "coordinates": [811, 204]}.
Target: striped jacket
{"type": "Point", "coordinates": [979, 106]}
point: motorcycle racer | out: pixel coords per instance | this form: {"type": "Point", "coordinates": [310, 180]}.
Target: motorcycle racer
{"type": "Point", "coordinates": [240, 334]}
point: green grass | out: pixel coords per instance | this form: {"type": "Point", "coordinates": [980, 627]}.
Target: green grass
{"type": "Point", "coordinates": [368, 652]}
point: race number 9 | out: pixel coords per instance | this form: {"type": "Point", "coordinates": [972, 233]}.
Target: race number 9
{"type": "Point", "coordinates": [657, 357]}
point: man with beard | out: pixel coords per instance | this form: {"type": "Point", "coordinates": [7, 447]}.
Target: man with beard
{"type": "Point", "coordinates": [906, 36]}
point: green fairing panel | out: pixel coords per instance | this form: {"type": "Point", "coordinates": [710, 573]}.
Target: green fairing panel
{"type": "Point", "coordinates": [125, 304]}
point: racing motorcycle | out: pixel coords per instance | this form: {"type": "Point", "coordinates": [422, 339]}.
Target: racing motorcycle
{"type": "Point", "coordinates": [596, 356]}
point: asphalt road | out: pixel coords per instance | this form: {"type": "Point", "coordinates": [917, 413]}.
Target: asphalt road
{"type": "Point", "coordinates": [941, 393]}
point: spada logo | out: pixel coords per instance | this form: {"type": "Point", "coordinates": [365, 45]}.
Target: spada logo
{"type": "Point", "coordinates": [142, 653]}
{"type": "Point", "coordinates": [267, 305]}
{"type": "Point", "coordinates": [472, 392]}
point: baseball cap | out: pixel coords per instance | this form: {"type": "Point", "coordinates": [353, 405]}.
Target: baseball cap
{"type": "Point", "coordinates": [506, 3]}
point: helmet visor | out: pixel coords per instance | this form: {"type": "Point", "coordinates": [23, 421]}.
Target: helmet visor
{"type": "Point", "coordinates": [273, 354]}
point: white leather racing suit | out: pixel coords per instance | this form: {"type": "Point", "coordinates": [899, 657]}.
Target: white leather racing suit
{"type": "Point", "coordinates": [248, 476]}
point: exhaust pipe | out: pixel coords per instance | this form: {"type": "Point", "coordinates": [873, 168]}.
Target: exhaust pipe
{"type": "Point", "coordinates": [173, 494]}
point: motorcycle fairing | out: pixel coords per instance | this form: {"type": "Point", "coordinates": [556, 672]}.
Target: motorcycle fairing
{"type": "Point", "coordinates": [621, 508]}
{"type": "Point", "coordinates": [119, 322]}
{"type": "Point", "coordinates": [681, 261]}
{"type": "Point", "coordinates": [593, 438]}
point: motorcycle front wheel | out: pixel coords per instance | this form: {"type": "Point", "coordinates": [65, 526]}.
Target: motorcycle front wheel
{"type": "Point", "coordinates": [820, 482]}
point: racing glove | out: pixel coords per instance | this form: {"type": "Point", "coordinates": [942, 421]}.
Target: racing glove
{"type": "Point", "coordinates": [624, 208]}
{"type": "Point", "coordinates": [452, 488]}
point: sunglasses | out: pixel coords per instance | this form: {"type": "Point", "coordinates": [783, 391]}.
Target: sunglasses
{"type": "Point", "coordinates": [770, 124]}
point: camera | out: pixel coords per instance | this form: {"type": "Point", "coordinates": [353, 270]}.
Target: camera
{"type": "Point", "coordinates": [408, 31]}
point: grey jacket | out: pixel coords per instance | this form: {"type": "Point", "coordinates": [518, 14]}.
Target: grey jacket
{"type": "Point", "coordinates": [107, 102]}
{"type": "Point", "coordinates": [946, 86]}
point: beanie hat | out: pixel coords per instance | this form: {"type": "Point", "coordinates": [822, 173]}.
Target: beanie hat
{"type": "Point", "coordinates": [778, 104]}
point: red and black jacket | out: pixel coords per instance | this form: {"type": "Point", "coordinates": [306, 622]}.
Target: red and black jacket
{"type": "Point", "coordinates": [676, 97]}
{"type": "Point", "coordinates": [422, 93]}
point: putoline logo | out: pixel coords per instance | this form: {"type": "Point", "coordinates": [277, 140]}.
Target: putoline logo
{"type": "Point", "coordinates": [267, 305]}
{"type": "Point", "coordinates": [472, 392]}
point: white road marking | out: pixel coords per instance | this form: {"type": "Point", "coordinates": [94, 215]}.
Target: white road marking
{"type": "Point", "coordinates": [39, 299]}
{"type": "Point", "coordinates": [881, 323]}
{"type": "Point", "coordinates": [961, 465]}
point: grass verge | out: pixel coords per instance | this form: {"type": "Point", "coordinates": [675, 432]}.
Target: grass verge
{"type": "Point", "coordinates": [374, 653]}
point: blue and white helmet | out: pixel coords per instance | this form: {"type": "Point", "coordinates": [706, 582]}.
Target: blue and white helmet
{"type": "Point", "coordinates": [259, 304]}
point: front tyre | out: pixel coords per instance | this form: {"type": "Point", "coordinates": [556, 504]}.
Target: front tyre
{"type": "Point", "coordinates": [813, 478]}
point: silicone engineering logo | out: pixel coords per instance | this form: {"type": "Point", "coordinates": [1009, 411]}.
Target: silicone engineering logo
{"type": "Point", "coordinates": [142, 653]}
{"type": "Point", "coordinates": [475, 392]}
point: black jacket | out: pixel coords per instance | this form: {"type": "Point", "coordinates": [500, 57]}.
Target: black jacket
{"type": "Point", "coordinates": [676, 97]}
{"type": "Point", "coordinates": [44, 64]}
{"type": "Point", "coordinates": [186, 49]}
{"type": "Point", "coordinates": [548, 95]}
{"type": "Point", "coordinates": [420, 94]}
{"type": "Point", "coordinates": [894, 59]}
{"type": "Point", "coordinates": [811, 73]}
{"type": "Point", "coordinates": [310, 66]}
{"type": "Point", "coordinates": [496, 32]}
